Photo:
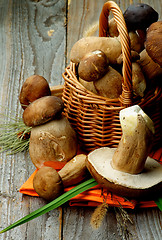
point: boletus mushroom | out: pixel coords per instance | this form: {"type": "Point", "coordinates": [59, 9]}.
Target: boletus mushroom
{"type": "Point", "coordinates": [110, 85]}
{"type": "Point", "coordinates": [74, 171]}
{"type": "Point", "coordinates": [88, 85]}
{"type": "Point", "coordinates": [93, 66]}
{"type": "Point", "coordinates": [53, 141]}
{"type": "Point", "coordinates": [138, 78]}
{"type": "Point", "coordinates": [153, 42]}
{"type": "Point", "coordinates": [127, 170]}
{"type": "Point", "coordinates": [150, 69]}
{"type": "Point", "coordinates": [139, 17]}
{"type": "Point", "coordinates": [43, 110]}
{"type": "Point", "coordinates": [33, 88]}
{"type": "Point", "coordinates": [49, 184]}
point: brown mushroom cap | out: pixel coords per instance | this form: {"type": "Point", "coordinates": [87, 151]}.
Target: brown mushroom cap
{"type": "Point", "coordinates": [43, 110]}
{"type": "Point", "coordinates": [33, 88]}
{"type": "Point", "coordinates": [93, 66]}
{"type": "Point", "coordinates": [47, 183]}
{"type": "Point", "coordinates": [144, 185]}
{"type": "Point", "coordinates": [153, 43]}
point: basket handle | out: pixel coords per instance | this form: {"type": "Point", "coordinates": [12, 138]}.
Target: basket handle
{"type": "Point", "coordinates": [126, 96]}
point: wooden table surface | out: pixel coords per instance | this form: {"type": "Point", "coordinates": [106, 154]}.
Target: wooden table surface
{"type": "Point", "coordinates": [35, 38]}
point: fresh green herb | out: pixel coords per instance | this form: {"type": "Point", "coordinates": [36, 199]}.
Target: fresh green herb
{"type": "Point", "coordinates": [159, 203]}
{"type": "Point", "coordinates": [14, 136]}
{"type": "Point", "coordinates": [55, 203]}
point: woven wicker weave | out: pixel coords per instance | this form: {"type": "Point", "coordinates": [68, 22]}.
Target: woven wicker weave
{"type": "Point", "coordinates": [96, 118]}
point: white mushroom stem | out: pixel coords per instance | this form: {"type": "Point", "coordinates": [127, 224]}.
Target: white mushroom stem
{"type": "Point", "coordinates": [136, 141]}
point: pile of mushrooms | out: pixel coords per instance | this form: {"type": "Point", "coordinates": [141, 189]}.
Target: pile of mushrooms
{"type": "Point", "coordinates": [99, 59]}
{"type": "Point", "coordinates": [128, 170]}
{"type": "Point", "coordinates": [52, 138]}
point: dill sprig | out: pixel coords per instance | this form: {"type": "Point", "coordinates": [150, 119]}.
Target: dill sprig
{"type": "Point", "coordinates": [14, 136]}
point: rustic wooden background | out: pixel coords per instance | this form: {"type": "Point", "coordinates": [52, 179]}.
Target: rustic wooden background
{"type": "Point", "coordinates": [35, 38]}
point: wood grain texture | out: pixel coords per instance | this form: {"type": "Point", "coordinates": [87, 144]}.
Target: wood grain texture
{"type": "Point", "coordinates": [36, 38]}
{"type": "Point", "coordinates": [27, 48]}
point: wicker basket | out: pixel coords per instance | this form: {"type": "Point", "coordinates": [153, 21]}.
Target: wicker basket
{"type": "Point", "coordinates": [96, 118]}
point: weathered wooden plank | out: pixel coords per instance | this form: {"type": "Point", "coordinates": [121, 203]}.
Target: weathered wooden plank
{"type": "Point", "coordinates": [32, 35]}
{"type": "Point", "coordinates": [146, 225]}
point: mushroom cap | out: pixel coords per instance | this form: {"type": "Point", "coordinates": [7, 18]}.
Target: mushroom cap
{"type": "Point", "coordinates": [142, 185]}
{"type": "Point", "coordinates": [43, 110]}
{"type": "Point", "coordinates": [47, 183]}
{"type": "Point", "coordinates": [139, 16]}
{"type": "Point", "coordinates": [33, 88]}
{"type": "Point", "coordinates": [93, 66]}
{"type": "Point", "coordinates": [153, 43]}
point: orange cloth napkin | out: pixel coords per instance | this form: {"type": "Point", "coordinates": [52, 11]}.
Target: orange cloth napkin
{"type": "Point", "coordinates": [94, 196]}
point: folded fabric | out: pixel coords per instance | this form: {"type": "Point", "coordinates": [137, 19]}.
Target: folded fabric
{"type": "Point", "coordinates": [94, 196]}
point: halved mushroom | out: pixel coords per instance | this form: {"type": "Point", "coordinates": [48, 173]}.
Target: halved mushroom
{"type": "Point", "coordinates": [144, 185]}
{"type": "Point", "coordinates": [127, 170]}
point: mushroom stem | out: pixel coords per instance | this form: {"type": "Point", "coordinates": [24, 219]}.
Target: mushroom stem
{"type": "Point", "coordinates": [136, 141]}
{"type": "Point", "coordinates": [150, 69]}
